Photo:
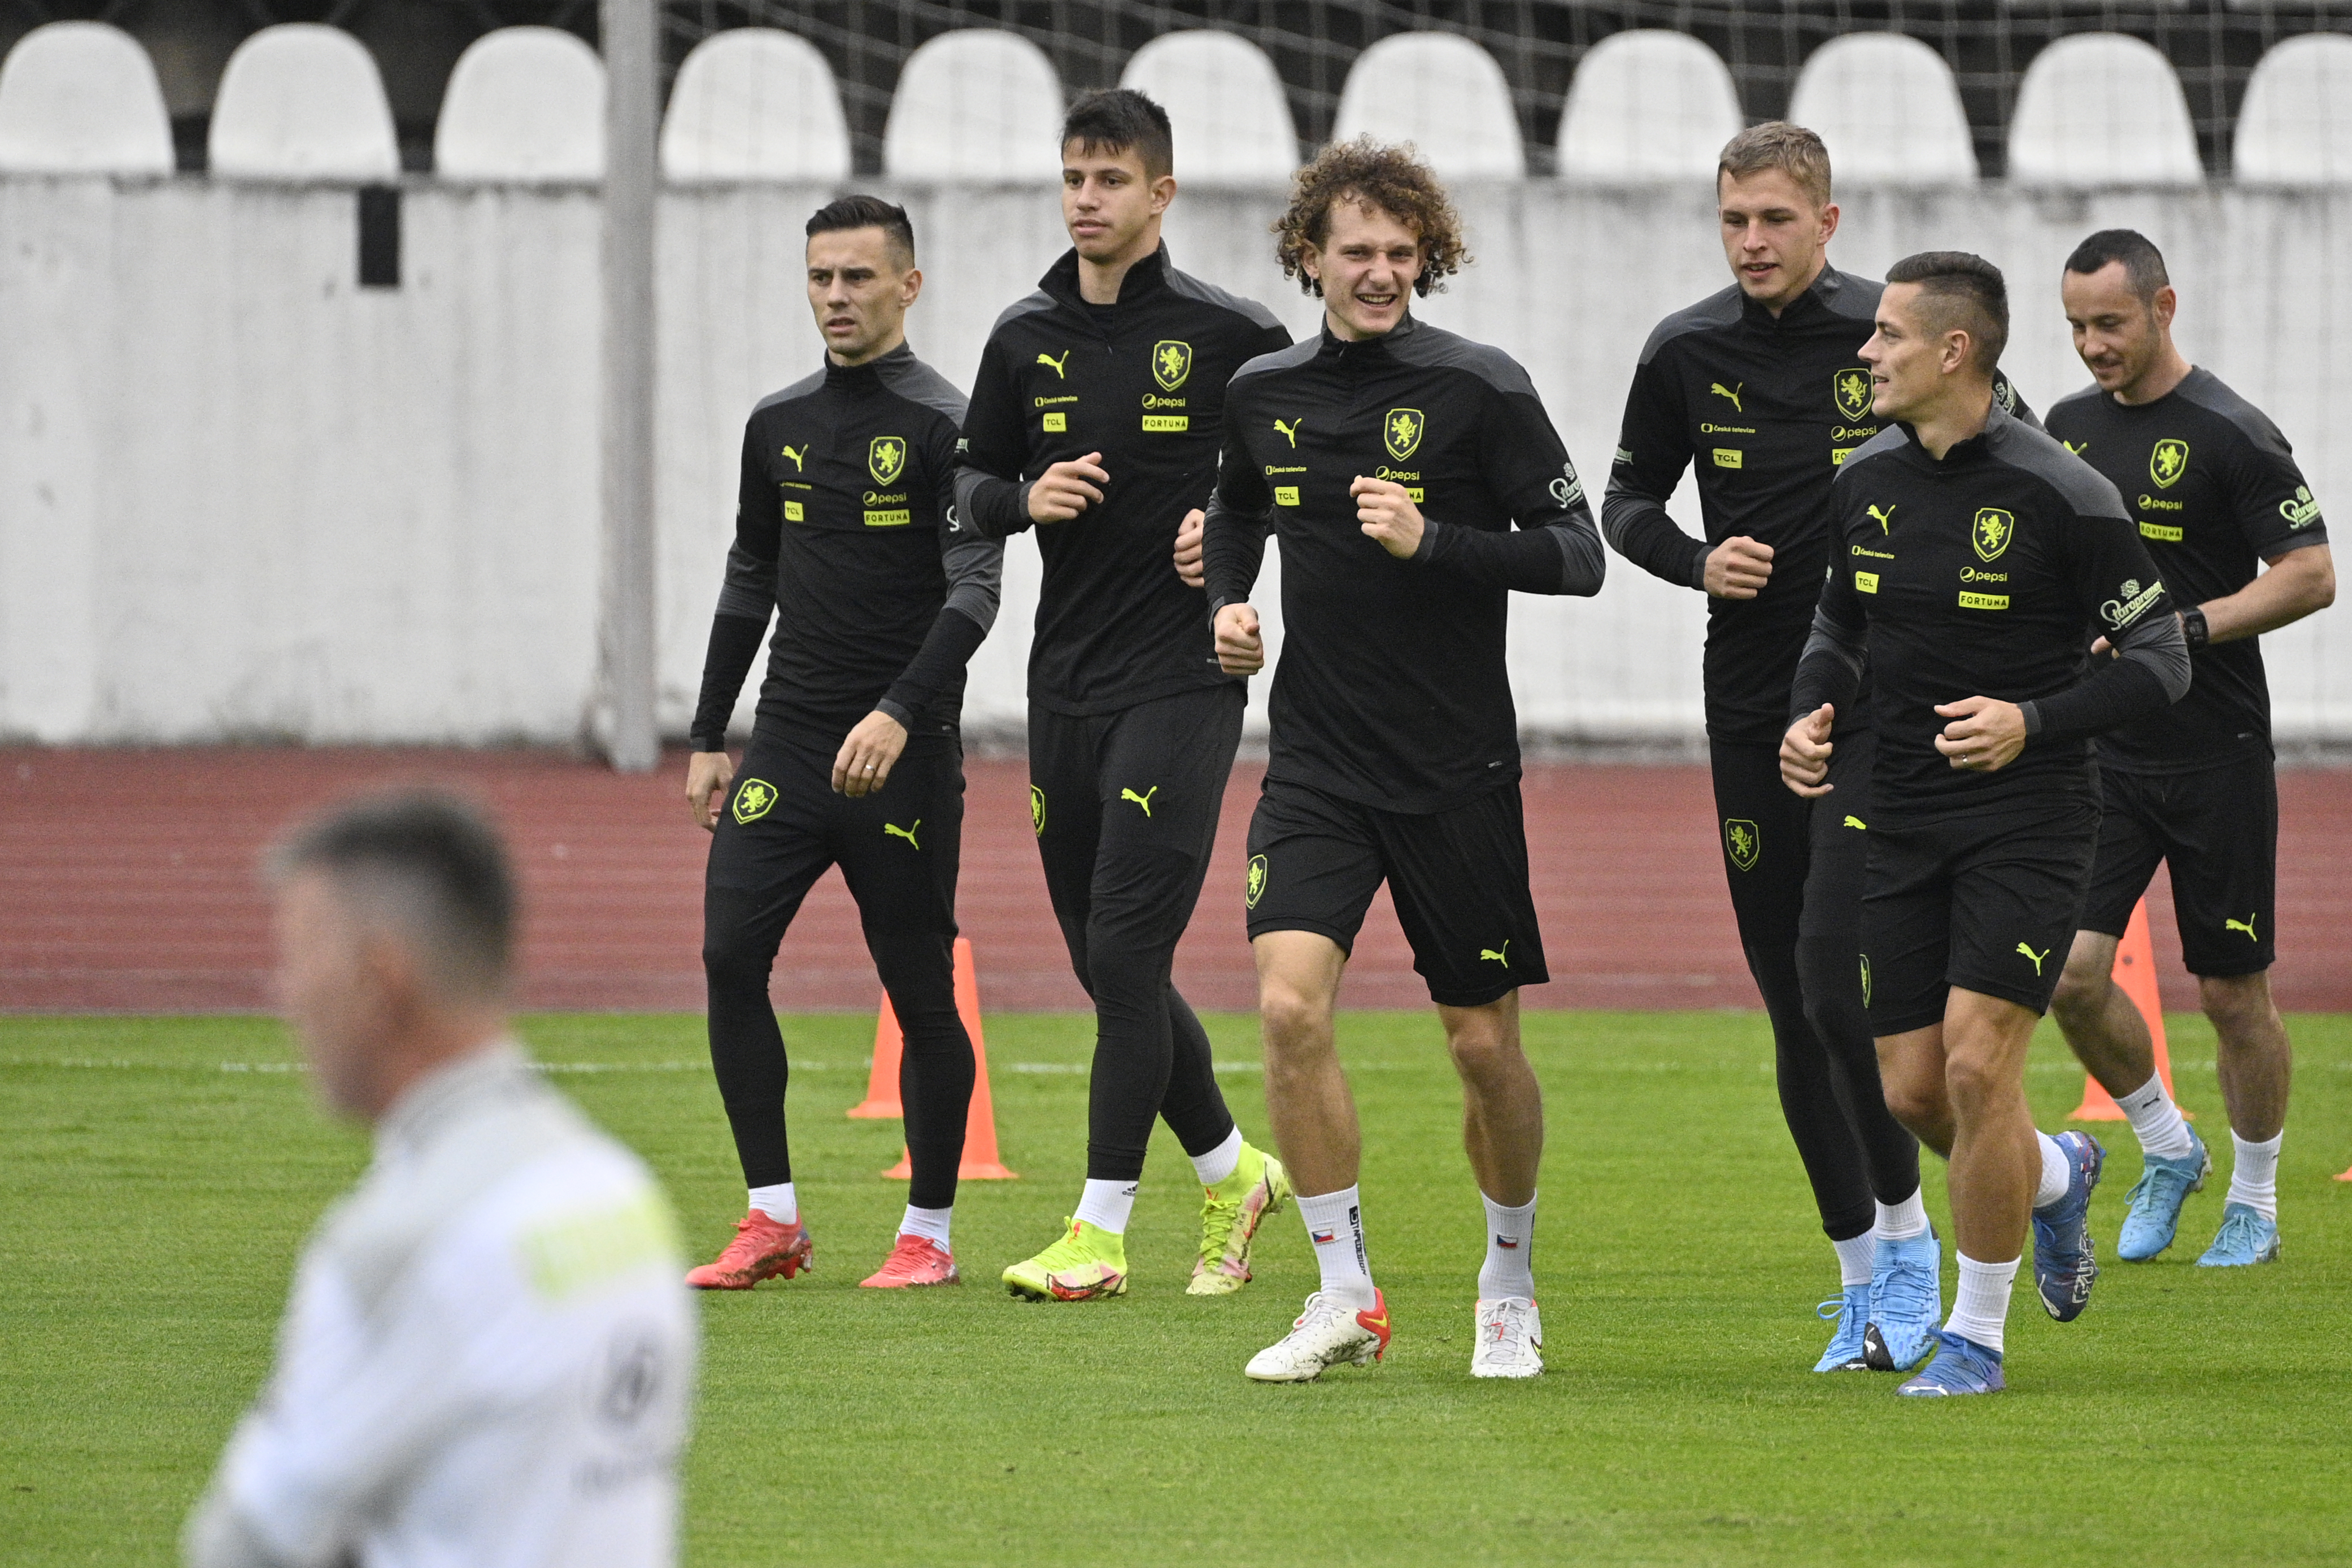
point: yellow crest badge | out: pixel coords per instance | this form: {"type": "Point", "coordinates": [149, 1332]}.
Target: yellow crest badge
{"type": "Point", "coordinates": [1850, 389]}
{"type": "Point", "coordinates": [1171, 361]}
{"type": "Point", "coordinates": [1401, 431]}
{"type": "Point", "coordinates": [753, 798]}
{"type": "Point", "coordinates": [1994, 528]}
{"type": "Point", "coordinates": [1256, 883]}
{"type": "Point", "coordinates": [886, 459]}
{"type": "Point", "coordinates": [2167, 462]}
{"type": "Point", "coordinates": [1742, 842]}
{"type": "Point", "coordinates": [1037, 810]}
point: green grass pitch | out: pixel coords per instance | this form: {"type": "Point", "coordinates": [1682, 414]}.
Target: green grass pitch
{"type": "Point", "coordinates": [154, 1202]}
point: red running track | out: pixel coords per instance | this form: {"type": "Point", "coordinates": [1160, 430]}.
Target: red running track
{"type": "Point", "coordinates": [127, 885]}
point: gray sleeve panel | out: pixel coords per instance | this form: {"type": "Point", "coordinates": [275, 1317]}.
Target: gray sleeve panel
{"type": "Point", "coordinates": [916, 382]}
{"type": "Point", "coordinates": [1249, 309]}
{"type": "Point", "coordinates": [1716, 311]}
{"type": "Point", "coordinates": [1890, 439]}
{"type": "Point", "coordinates": [1583, 564]}
{"type": "Point", "coordinates": [807, 386]}
{"type": "Point", "coordinates": [1303, 352]}
{"type": "Point", "coordinates": [2082, 396]}
{"type": "Point", "coordinates": [1029, 304]}
{"type": "Point", "coordinates": [1848, 294]}
{"type": "Point", "coordinates": [975, 569]}
{"type": "Point", "coordinates": [2088, 491]}
{"type": "Point", "coordinates": [1829, 635]}
{"type": "Point", "coordinates": [2210, 393]}
{"type": "Point", "coordinates": [2157, 642]}
{"type": "Point", "coordinates": [1437, 348]}
{"type": "Point", "coordinates": [750, 588]}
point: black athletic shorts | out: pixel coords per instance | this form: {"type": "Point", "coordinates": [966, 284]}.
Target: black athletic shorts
{"type": "Point", "coordinates": [1987, 900]}
{"type": "Point", "coordinates": [2218, 831]}
{"type": "Point", "coordinates": [1458, 878]}
{"type": "Point", "coordinates": [897, 848]}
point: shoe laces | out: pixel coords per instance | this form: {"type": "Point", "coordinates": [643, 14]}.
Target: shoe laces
{"type": "Point", "coordinates": [2242, 1229]}
{"type": "Point", "coordinates": [1829, 1311]}
{"type": "Point", "coordinates": [1508, 1319]}
{"type": "Point", "coordinates": [1068, 1252]}
{"type": "Point", "coordinates": [1908, 1290]}
{"type": "Point", "coordinates": [749, 1242]}
{"type": "Point", "coordinates": [1319, 1309]}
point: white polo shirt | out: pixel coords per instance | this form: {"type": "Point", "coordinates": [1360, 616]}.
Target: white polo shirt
{"type": "Point", "coordinates": [488, 1355]}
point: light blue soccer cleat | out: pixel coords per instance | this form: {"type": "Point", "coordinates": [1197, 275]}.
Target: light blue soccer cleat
{"type": "Point", "coordinates": [1906, 1302]}
{"type": "Point", "coordinates": [1851, 1314]}
{"type": "Point", "coordinates": [2246, 1238]}
{"type": "Point", "coordinates": [2065, 1262]}
{"type": "Point", "coordinates": [2156, 1199]}
{"type": "Point", "coordinates": [1961, 1366]}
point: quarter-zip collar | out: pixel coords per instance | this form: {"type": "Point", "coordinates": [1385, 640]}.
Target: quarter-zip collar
{"type": "Point", "coordinates": [1345, 349]}
{"type": "Point", "coordinates": [1061, 280]}
{"type": "Point", "coordinates": [866, 378]}
{"type": "Point", "coordinates": [1815, 304]}
{"type": "Point", "coordinates": [1975, 449]}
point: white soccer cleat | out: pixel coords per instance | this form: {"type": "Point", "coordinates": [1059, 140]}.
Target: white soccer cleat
{"type": "Point", "coordinates": [1510, 1339]}
{"type": "Point", "coordinates": [1326, 1333]}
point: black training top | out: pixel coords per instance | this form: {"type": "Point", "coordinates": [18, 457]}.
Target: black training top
{"type": "Point", "coordinates": [1391, 688]}
{"type": "Point", "coordinates": [846, 525]}
{"type": "Point", "coordinates": [1143, 382]}
{"type": "Point", "coordinates": [1768, 406]}
{"type": "Point", "coordinates": [2215, 491]}
{"type": "Point", "coordinates": [1987, 574]}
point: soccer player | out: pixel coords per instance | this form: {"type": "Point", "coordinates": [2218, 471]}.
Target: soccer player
{"type": "Point", "coordinates": [2214, 488]}
{"type": "Point", "coordinates": [1975, 559]}
{"type": "Point", "coordinates": [486, 1356]}
{"type": "Point", "coordinates": [1762, 385]}
{"type": "Point", "coordinates": [1395, 746]}
{"type": "Point", "coordinates": [1096, 420]}
{"type": "Point", "coordinates": [847, 532]}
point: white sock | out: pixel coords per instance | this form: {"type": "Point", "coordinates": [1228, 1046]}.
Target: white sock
{"type": "Point", "coordinates": [1335, 1224]}
{"type": "Point", "coordinates": [779, 1203]}
{"type": "Point", "coordinates": [1855, 1255]}
{"type": "Point", "coordinates": [1903, 1221]}
{"type": "Point", "coordinates": [2253, 1180]}
{"type": "Point", "coordinates": [2057, 1174]}
{"type": "Point", "coordinates": [931, 1225]}
{"type": "Point", "coordinates": [1980, 1306]}
{"type": "Point", "coordinates": [1220, 1161]}
{"type": "Point", "coordinates": [2155, 1120]}
{"type": "Point", "coordinates": [1106, 1205]}
{"type": "Point", "coordinates": [1509, 1268]}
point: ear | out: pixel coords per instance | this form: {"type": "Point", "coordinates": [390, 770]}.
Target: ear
{"type": "Point", "coordinates": [1829, 222]}
{"type": "Point", "coordinates": [910, 286]}
{"type": "Point", "coordinates": [1163, 191]}
{"type": "Point", "coordinates": [2166, 301]}
{"type": "Point", "coordinates": [1958, 346]}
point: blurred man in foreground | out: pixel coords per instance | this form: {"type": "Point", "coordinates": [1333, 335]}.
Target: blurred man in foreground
{"type": "Point", "coordinates": [488, 1357]}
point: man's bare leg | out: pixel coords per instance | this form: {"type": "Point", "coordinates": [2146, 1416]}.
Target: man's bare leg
{"type": "Point", "coordinates": [1306, 1098]}
{"type": "Point", "coordinates": [1502, 1104]}
{"type": "Point", "coordinates": [2257, 1067]}
{"type": "Point", "coordinates": [2101, 1024]}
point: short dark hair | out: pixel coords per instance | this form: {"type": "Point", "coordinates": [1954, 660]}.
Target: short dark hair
{"type": "Point", "coordinates": [1964, 291]}
{"type": "Point", "coordinates": [868, 211]}
{"type": "Point", "coordinates": [2143, 262]}
{"type": "Point", "coordinates": [1117, 119]}
{"type": "Point", "coordinates": [428, 864]}
{"type": "Point", "coordinates": [1390, 179]}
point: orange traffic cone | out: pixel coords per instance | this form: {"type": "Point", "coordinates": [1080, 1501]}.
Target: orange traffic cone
{"type": "Point", "coordinates": [2136, 973]}
{"type": "Point", "coordinates": [2346, 1176]}
{"type": "Point", "coordinates": [981, 1159]}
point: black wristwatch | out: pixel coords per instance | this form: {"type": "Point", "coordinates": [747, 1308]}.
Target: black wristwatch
{"type": "Point", "coordinates": [2192, 627]}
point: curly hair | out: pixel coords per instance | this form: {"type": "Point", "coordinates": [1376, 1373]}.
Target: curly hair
{"type": "Point", "coordinates": [1390, 178]}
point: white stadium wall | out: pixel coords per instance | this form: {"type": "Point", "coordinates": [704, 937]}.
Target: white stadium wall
{"type": "Point", "coordinates": [241, 498]}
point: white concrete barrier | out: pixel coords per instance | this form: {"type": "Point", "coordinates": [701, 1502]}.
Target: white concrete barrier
{"type": "Point", "coordinates": [240, 498]}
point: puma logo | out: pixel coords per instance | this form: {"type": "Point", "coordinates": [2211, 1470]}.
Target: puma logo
{"type": "Point", "coordinates": [1290, 430]}
{"type": "Point", "coordinates": [1719, 390]}
{"type": "Point", "coordinates": [1857, 822]}
{"type": "Point", "coordinates": [1885, 519]}
{"type": "Point", "coordinates": [2246, 925]}
{"type": "Point", "coordinates": [1143, 800]}
{"type": "Point", "coordinates": [2078, 447]}
{"type": "Point", "coordinates": [798, 467]}
{"type": "Point", "coordinates": [1056, 364]}
{"type": "Point", "coordinates": [1502, 958]}
{"type": "Point", "coordinates": [2037, 957]}
{"type": "Point", "coordinates": [892, 830]}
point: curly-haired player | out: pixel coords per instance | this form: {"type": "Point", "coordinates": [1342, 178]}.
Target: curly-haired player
{"type": "Point", "coordinates": [1395, 751]}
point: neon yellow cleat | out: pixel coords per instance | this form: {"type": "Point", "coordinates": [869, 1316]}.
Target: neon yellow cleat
{"type": "Point", "coordinates": [1084, 1265]}
{"type": "Point", "coordinates": [1230, 1216]}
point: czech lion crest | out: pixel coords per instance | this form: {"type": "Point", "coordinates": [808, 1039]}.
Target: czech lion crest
{"type": "Point", "coordinates": [885, 460]}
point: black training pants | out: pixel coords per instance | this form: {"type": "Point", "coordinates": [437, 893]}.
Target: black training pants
{"type": "Point", "coordinates": [1124, 806]}
{"type": "Point", "coordinates": [1796, 889]}
{"type": "Point", "coordinates": [898, 849]}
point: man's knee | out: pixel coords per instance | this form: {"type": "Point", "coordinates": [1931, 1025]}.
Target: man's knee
{"type": "Point", "coordinates": [1975, 1079]}
{"type": "Point", "coordinates": [1913, 1084]}
{"type": "Point", "coordinates": [1483, 1041]}
{"type": "Point", "coordinates": [2085, 982]}
{"type": "Point", "coordinates": [1297, 990]}
{"type": "Point", "coordinates": [2238, 1004]}
{"type": "Point", "coordinates": [734, 958]}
